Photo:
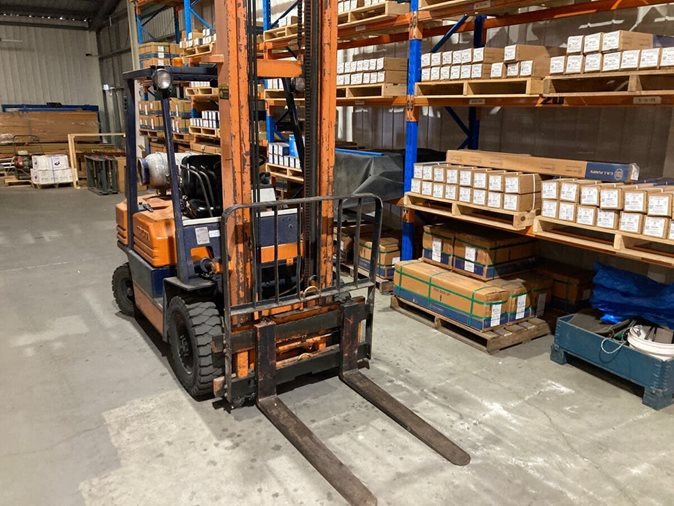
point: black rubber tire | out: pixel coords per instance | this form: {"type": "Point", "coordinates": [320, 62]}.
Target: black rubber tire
{"type": "Point", "coordinates": [192, 326]}
{"type": "Point", "coordinates": [122, 290]}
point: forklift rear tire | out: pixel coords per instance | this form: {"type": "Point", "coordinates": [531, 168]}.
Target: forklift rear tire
{"type": "Point", "coordinates": [192, 326]}
{"type": "Point", "coordinates": [122, 290]}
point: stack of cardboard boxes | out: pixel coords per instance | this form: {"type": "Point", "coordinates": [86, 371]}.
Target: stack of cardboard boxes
{"type": "Point", "coordinates": [367, 71]}
{"type": "Point", "coordinates": [50, 169]}
{"type": "Point", "coordinates": [642, 209]}
{"type": "Point", "coordinates": [157, 54]}
{"type": "Point", "coordinates": [196, 38]}
{"type": "Point", "coordinates": [387, 256]}
{"type": "Point", "coordinates": [516, 60]}
{"type": "Point", "coordinates": [613, 51]}
{"type": "Point", "coordinates": [491, 188]}
{"type": "Point", "coordinates": [150, 117]}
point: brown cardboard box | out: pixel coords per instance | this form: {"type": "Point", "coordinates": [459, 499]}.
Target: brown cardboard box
{"type": "Point", "coordinates": [489, 253]}
{"type": "Point", "coordinates": [522, 183]}
{"type": "Point", "coordinates": [631, 222]}
{"type": "Point", "coordinates": [439, 173]}
{"type": "Point", "coordinates": [468, 300]}
{"type": "Point", "coordinates": [438, 244]}
{"type": "Point", "coordinates": [611, 198]}
{"type": "Point", "coordinates": [552, 166]}
{"type": "Point", "coordinates": [451, 192]}
{"type": "Point", "coordinates": [495, 200]}
{"type": "Point", "coordinates": [496, 180]}
{"type": "Point", "coordinates": [414, 276]}
{"type": "Point", "coordinates": [466, 176]}
{"type": "Point", "coordinates": [572, 286]}
{"type": "Point", "coordinates": [589, 193]}
{"type": "Point", "coordinates": [389, 255]}
{"type": "Point", "coordinates": [525, 202]}
{"type": "Point", "coordinates": [539, 289]}
{"type": "Point", "coordinates": [439, 190]}
{"type": "Point", "coordinates": [550, 208]}
{"type": "Point", "coordinates": [465, 194]}
{"type": "Point", "coordinates": [452, 174]}
{"type": "Point", "coordinates": [656, 226]}
{"type": "Point", "coordinates": [479, 197]}
{"type": "Point", "coordinates": [570, 191]}
{"type": "Point", "coordinates": [661, 204]}
{"type": "Point", "coordinates": [487, 54]}
{"type": "Point", "coordinates": [635, 197]}
{"type": "Point", "coordinates": [519, 52]}
{"type": "Point", "coordinates": [551, 189]}
{"type": "Point", "coordinates": [481, 179]}
{"type": "Point", "coordinates": [518, 305]}
{"type": "Point", "coordinates": [566, 211]}
{"type": "Point", "coordinates": [608, 219]}
{"type": "Point", "coordinates": [623, 40]}
{"type": "Point", "coordinates": [586, 215]}
{"type": "Point", "coordinates": [536, 67]}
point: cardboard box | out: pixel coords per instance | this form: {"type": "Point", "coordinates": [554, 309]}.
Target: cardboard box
{"type": "Point", "coordinates": [451, 192]}
{"type": "Point", "coordinates": [487, 54]}
{"type": "Point", "coordinates": [439, 173]}
{"type": "Point", "coordinates": [389, 255]}
{"type": "Point", "coordinates": [495, 200]}
{"type": "Point", "coordinates": [411, 280]}
{"type": "Point", "coordinates": [445, 73]}
{"type": "Point", "coordinates": [469, 301]}
{"type": "Point", "coordinates": [574, 44]}
{"type": "Point", "coordinates": [557, 65]}
{"type": "Point", "coordinates": [465, 71]}
{"type": "Point", "coordinates": [621, 40]}
{"type": "Point", "coordinates": [600, 171]}
{"type": "Point", "coordinates": [424, 170]}
{"type": "Point", "coordinates": [551, 189]}
{"type": "Point", "coordinates": [592, 43]}
{"type": "Point", "coordinates": [572, 286]}
{"type": "Point", "coordinates": [611, 198]}
{"type": "Point", "coordinates": [611, 62]}
{"type": "Point", "coordinates": [426, 74]}
{"type": "Point", "coordinates": [512, 69]}
{"type": "Point", "coordinates": [538, 67]}
{"type": "Point", "coordinates": [519, 52]}
{"type": "Point", "coordinates": [667, 57]}
{"type": "Point", "coordinates": [466, 176]}
{"type": "Point", "coordinates": [574, 64]}
{"type": "Point", "coordinates": [661, 203]}
{"type": "Point", "coordinates": [635, 197]}
{"type": "Point", "coordinates": [435, 73]}
{"type": "Point", "coordinates": [496, 180]}
{"type": "Point", "coordinates": [479, 197]}
{"type": "Point", "coordinates": [608, 219]}
{"type": "Point", "coordinates": [447, 57]}
{"type": "Point", "coordinates": [539, 290]}
{"type": "Point", "coordinates": [497, 70]}
{"type": "Point", "coordinates": [439, 190]}
{"type": "Point", "coordinates": [427, 188]}
{"type": "Point", "coordinates": [465, 194]}
{"type": "Point", "coordinates": [631, 222]}
{"type": "Point", "coordinates": [416, 186]}
{"type": "Point", "coordinates": [425, 60]}
{"type": "Point", "coordinates": [650, 58]}
{"type": "Point", "coordinates": [521, 202]}
{"type": "Point", "coordinates": [488, 254]}
{"type": "Point", "coordinates": [480, 179]}
{"type": "Point", "coordinates": [656, 226]}
{"type": "Point", "coordinates": [480, 70]}
{"type": "Point", "coordinates": [589, 193]}
{"type": "Point", "coordinates": [455, 72]}
{"type": "Point", "coordinates": [593, 63]}
{"type": "Point", "coordinates": [586, 215]}
{"type": "Point", "coordinates": [518, 305]}
{"type": "Point", "coordinates": [567, 211]}
{"type": "Point", "coordinates": [629, 60]}
{"type": "Point", "coordinates": [550, 209]}
{"type": "Point", "coordinates": [438, 244]}
{"type": "Point", "coordinates": [522, 183]}
{"type": "Point", "coordinates": [570, 191]}
{"type": "Point", "coordinates": [466, 55]}
{"type": "Point", "coordinates": [452, 174]}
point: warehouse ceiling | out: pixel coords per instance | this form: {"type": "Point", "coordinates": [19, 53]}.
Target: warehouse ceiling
{"type": "Point", "coordinates": [84, 14]}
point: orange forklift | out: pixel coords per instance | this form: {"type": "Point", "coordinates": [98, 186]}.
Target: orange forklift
{"type": "Point", "coordinates": [246, 289]}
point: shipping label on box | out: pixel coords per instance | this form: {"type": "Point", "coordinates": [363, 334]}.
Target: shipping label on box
{"type": "Point", "coordinates": [589, 195]}
{"type": "Point", "coordinates": [496, 180]}
{"type": "Point", "coordinates": [426, 74]}
{"type": "Point", "coordinates": [466, 177]}
{"type": "Point", "coordinates": [497, 70]}
{"type": "Point", "coordinates": [451, 192]}
{"type": "Point", "coordinates": [447, 57]}
{"type": "Point", "coordinates": [426, 60]}
{"type": "Point", "coordinates": [567, 211]}
{"type": "Point", "coordinates": [427, 172]}
{"type": "Point", "coordinates": [650, 58]}
{"type": "Point", "coordinates": [495, 200]}
{"type": "Point", "coordinates": [513, 69]}
{"type": "Point", "coordinates": [611, 62]}
{"type": "Point", "coordinates": [466, 55]}
{"type": "Point", "coordinates": [631, 222]}
{"type": "Point", "coordinates": [655, 226]}
{"type": "Point", "coordinates": [520, 202]}
{"type": "Point", "coordinates": [660, 204]}
{"type": "Point", "coordinates": [586, 215]}
{"type": "Point", "coordinates": [427, 188]}
{"type": "Point", "coordinates": [636, 201]}
{"type": "Point", "coordinates": [592, 43]}
{"type": "Point", "coordinates": [452, 175]}
{"type": "Point", "coordinates": [479, 197]}
{"type": "Point", "coordinates": [480, 179]}
{"type": "Point", "coordinates": [557, 65]}
{"type": "Point", "coordinates": [510, 53]}
{"type": "Point", "coordinates": [550, 189]}
{"type": "Point", "coordinates": [671, 231]}
{"type": "Point", "coordinates": [456, 57]}
{"type": "Point", "coordinates": [611, 198]}
{"type": "Point", "coordinates": [439, 190]}
{"type": "Point", "coordinates": [455, 72]}
{"type": "Point", "coordinates": [436, 59]}
{"type": "Point", "coordinates": [435, 73]}
{"type": "Point", "coordinates": [574, 64]}
{"type": "Point", "coordinates": [630, 59]}
{"type": "Point", "coordinates": [574, 44]}
{"type": "Point", "coordinates": [522, 183]}
{"type": "Point", "coordinates": [667, 57]}
{"type": "Point", "coordinates": [465, 194]}
{"type": "Point", "coordinates": [465, 71]}
{"type": "Point", "coordinates": [592, 63]}
{"type": "Point", "coordinates": [445, 73]}
{"type": "Point", "coordinates": [480, 71]}
{"type": "Point", "coordinates": [607, 219]}
{"type": "Point", "coordinates": [439, 173]}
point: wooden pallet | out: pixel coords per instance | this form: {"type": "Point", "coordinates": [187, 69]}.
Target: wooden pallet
{"type": "Point", "coordinates": [453, 88]}
{"type": "Point", "coordinates": [490, 341]}
{"type": "Point", "coordinates": [374, 13]}
{"type": "Point", "coordinates": [199, 50]}
{"type": "Point", "coordinates": [13, 181]}
{"type": "Point", "coordinates": [205, 147]}
{"type": "Point", "coordinates": [202, 92]}
{"type": "Point", "coordinates": [286, 173]}
{"type": "Point", "coordinates": [209, 133]}
{"type": "Point", "coordinates": [511, 87]}
{"type": "Point", "coordinates": [443, 8]}
{"type": "Point", "coordinates": [372, 90]}
{"type": "Point", "coordinates": [182, 138]}
{"type": "Point", "coordinates": [614, 242]}
{"type": "Point", "coordinates": [283, 32]}
{"type": "Point", "coordinates": [517, 221]}
{"type": "Point", "coordinates": [384, 285]}
{"type": "Point", "coordinates": [642, 83]}
{"type": "Point", "coordinates": [42, 186]}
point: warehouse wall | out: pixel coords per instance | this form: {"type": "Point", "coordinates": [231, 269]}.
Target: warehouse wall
{"type": "Point", "coordinates": [48, 65]}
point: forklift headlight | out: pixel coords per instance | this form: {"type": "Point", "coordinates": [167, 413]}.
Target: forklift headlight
{"type": "Point", "coordinates": [162, 79]}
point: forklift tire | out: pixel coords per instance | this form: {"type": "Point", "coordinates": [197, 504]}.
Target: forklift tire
{"type": "Point", "coordinates": [192, 326]}
{"type": "Point", "coordinates": [122, 290]}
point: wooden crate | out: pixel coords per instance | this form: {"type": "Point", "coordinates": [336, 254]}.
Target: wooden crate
{"type": "Point", "coordinates": [490, 341]}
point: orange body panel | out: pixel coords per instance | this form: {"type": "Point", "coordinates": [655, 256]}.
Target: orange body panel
{"type": "Point", "coordinates": [154, 232]}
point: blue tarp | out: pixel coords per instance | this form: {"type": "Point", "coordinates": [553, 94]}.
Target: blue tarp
{"type": "Point", "coordinates": [623, 295]}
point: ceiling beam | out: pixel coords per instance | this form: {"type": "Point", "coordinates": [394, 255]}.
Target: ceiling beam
{"type": "Point", "coordinates": [34, 22]}
{"type": "Point", "coordinates": [23, 10]}
{"type": "Point", "coordinates": [103, 13]}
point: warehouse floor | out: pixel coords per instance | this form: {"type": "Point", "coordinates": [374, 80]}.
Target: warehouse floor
{"type": "Point", "coordinates": [92, 414]}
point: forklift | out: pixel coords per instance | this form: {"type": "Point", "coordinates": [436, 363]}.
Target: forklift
{"type": "Point", "coordinates": [246, 289]}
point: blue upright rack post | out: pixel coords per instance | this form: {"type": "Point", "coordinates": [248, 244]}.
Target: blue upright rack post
{"type": "Point", "coordinates": [187, 12]}
{"type": "Point", "coordinates": [270, 124]}
{"type": "Point", "coordinates": [411, 134]}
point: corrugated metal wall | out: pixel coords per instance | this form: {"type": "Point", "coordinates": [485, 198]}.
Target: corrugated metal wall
{"type": "Point", "coordinates": [48, 65]}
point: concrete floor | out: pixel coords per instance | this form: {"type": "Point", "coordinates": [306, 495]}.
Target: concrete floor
{"type": "Point", "coordinates": [91, 413]}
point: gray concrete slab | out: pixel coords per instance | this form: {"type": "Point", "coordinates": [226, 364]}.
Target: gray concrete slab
{"type": "Point", "coordinates": [91, 413]}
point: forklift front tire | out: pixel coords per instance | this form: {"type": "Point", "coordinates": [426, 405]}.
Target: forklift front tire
{"type": "Point", "coordinates": [122, 290]}
{"type": "Point", "coordinates": [192, 326]}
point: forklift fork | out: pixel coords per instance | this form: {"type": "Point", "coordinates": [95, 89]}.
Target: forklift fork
{"type": "Point", "coordinates": [312, 448]}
